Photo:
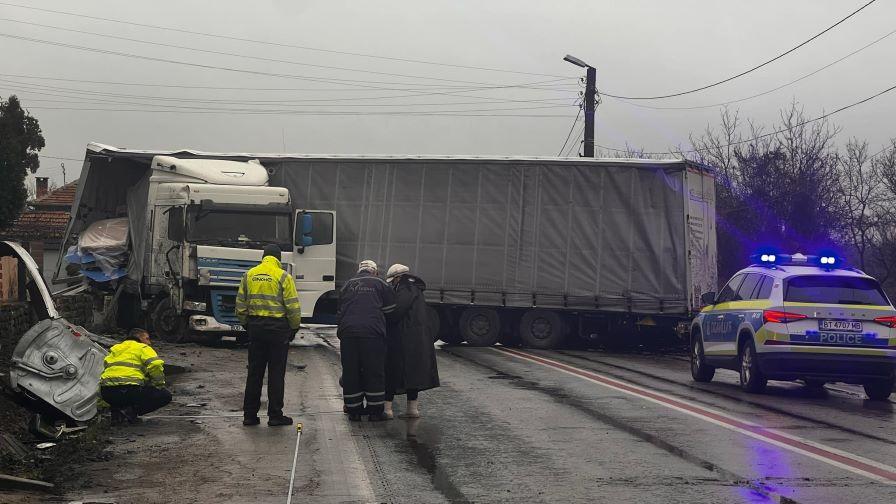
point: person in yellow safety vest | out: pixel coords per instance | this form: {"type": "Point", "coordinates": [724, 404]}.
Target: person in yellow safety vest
{"type": "Point", "coordinates": [267, 305]}
{"type": "Point", "coordinates": [133, 381]}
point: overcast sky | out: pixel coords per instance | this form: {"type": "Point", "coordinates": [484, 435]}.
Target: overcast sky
{"type": "Point", "coordinates": [639, 47]}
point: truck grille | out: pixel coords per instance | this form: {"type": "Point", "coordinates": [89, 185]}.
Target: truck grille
{"type": "Point", "coordinates": [224, 307]}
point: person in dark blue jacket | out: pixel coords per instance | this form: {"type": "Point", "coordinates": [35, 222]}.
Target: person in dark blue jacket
{"type": "Point", "coordinates": [364, 302]}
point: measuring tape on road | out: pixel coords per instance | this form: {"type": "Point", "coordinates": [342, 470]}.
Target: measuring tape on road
{"type": "Point", "coordinates": [295, 459]}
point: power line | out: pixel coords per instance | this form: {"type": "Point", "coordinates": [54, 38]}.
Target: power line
{"type": "Point", "coordinates": [228, 109]}
{"type": "Point", "coordinates": [538, 85]}
{"type": "Point", "coordinates": [810, 74]}
{"type": "Point", "coordinates": [237, 55]}
{"type": "Point", "coordinates": [574, 145]}
{"type": "Point", "coordinates": [276, 44]}
{"type": "Point", "coordinates": [571, 128]}
{"type": "Point", "coordinates": [745, 72]}
{"type": "Point", "coordinates": [765, 135]}
{"type": "Point", "coordinates": [39, 155]}
{"type": "Point", "coordinates": [30, 87]}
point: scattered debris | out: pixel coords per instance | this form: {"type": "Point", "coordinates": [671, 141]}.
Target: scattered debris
{"type": "Point", "coordinates": [40, 425]}
{"type": "Point", "coordinates": [197, 422]}
{"type": "Point", "coordinates": [44, 446]}
{"type": "Point", "coordinates": [11, 482]}
{"type": "Point", "coordinates": [196, 405]}
{"type": "Point", "coordinates": [12, 447]}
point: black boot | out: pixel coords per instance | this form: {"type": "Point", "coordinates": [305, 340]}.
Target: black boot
{"type": "Point", "coordinates": [279, 420]}
{"type": "Point", "coordinates": [131, 415]}
{"type": "Point", "coordinates": [117, 417]}
{"type": "Point", "coordinates": [249, 421]}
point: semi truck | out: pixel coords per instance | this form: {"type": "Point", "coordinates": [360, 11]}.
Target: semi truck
{"type": "Point", "coordinates": [529, 250]}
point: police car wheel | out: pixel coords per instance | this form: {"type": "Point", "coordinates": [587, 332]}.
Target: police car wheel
{"type": "Point", "coordinates": [700, 370]}
{"type": "Point", "coordinates": [879, 390]}
{"type": "Point", "coordinates": [751, 377]}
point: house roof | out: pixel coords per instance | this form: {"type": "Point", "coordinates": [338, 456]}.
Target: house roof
{"type": "Point", "coordinates": [62, 197]}
{"type": "Point", "coordinates": [45, 218]}
{"type": "Point", "coordinates": [37, 225]}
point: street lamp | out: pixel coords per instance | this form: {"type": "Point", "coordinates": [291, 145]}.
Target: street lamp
{"type": "Point", "coordinates": [590, 95]}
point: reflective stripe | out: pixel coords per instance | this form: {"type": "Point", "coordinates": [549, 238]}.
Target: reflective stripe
{"type": "Point", "coordinates": [349, 396]}
{"type": "Point", "coordinates": [151, 360]}
{"type": "Point", "coordinates": [124, 364]}
{"type": "Point", "coordinates": [375, 393]}
{"type": "Point", "coordinates": [352, 405]}
{"type": "Point", "coordinates": [112, 382]}
{"type": "Point", "coordinates": [291, 300]}
{"type": "Point", "coordinates": [388, 309]}
{"type": "Point", "coordinates": [375, 403]}
{"type": "Point", "coordinates": [268, 308]}
{"type": "Point", "coordinates": [266, 297]}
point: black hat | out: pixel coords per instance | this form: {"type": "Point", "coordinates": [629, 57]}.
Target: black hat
{"type": "Point", "coordinates": [271, 250]}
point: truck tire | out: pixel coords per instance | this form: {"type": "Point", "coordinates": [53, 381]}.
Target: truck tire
{"type": "Point", "coordinates": [480, 326]}
{"type": "Point", "coordinates": [167, 323]}
{"type": "Point", "coordinates": [542, 329]}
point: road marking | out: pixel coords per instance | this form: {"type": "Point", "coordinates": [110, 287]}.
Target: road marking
{"type": "Point", "coordinates": [838, 458]}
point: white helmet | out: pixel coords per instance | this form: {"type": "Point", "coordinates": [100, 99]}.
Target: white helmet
{"type": "Point", "coordinates": [367, 265]}
{"type": "Point", "coordinates": [395, 270]}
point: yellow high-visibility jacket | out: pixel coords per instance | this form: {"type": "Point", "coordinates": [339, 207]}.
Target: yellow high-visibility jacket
{"type": "Point", "coordinates": [133, 363]}
{"type": "Point", "coordinates": [268, 291]}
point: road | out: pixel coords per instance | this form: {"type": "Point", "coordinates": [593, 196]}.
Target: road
{"type": "Point", "coordinates": [507, 425]}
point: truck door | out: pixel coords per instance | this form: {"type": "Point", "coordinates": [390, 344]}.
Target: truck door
{"type": "Point", "coordinates": [314, 266]}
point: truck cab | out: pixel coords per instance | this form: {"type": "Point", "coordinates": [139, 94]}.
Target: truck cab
{"type": "Point", "coordinates": [196, 226]}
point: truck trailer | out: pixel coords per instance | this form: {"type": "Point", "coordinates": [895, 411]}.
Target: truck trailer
{"type": "Point", "coordinates": [513, 249]}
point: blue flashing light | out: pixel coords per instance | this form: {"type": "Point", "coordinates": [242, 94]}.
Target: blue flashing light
{"type": "Point", "coordinates": [768, 258]}
{"type": "Point", "coordinates": [828, 260]}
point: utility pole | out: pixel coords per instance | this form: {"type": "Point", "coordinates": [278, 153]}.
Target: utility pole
{"type": "Point", "coordinates": [63, 172]}
{"type": "Point", "coordinates": [590, 102]}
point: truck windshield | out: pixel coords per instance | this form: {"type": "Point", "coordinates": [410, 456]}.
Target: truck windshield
{"type": "Point", "coordinates": [238, 228]}
{"type": "Point", "coordinates": [830, 289]}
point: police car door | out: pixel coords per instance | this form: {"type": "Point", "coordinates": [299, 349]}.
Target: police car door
{"type": "Point", "coordinates": [741, 310]}
{"type": "Point", "coordinates": [717, 318]}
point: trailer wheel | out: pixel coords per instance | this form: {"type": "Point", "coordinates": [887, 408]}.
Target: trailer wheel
{"type": "Point", "coordinates": [480, 326]}
{"type": "Point", "coordinates": [542, 329]}
{"type": "Point", "coordinates": [167, 323]}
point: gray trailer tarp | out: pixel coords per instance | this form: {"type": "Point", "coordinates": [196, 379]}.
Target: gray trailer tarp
{"type": "Point", "coordinates": [609, 235]}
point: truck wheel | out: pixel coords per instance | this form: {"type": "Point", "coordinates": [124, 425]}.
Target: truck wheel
{"type": "Point", "coordinates": [480, 326]}
{"type": "Point", "coordinates": [879, 390]}
{"type": "Point", "coordinates": [167, 323]}
{"type": "Point", "coordinates": [751, 377]}
{"type": "Point", "coordinates": [700, 370]}
{"type": "Point", "coordinates": [542, 329]}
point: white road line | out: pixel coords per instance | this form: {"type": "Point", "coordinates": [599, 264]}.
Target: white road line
{"type": "Point", "coordinates": [829, 455]}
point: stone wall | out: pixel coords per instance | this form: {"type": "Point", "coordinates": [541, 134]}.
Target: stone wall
{"type": "Point", "coordinates": [77, 309]}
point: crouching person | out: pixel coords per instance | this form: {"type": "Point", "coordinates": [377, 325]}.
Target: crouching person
{"type": "Point", "coordinates": [133, 382]}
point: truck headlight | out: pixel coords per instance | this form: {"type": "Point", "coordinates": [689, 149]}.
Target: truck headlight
{"type": "Point", "coordinates": [194, 306]}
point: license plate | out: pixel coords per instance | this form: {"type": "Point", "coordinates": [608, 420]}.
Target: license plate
{"type": "Point", "coordinates": [840, 325]}
{"type": "Point", "coordinates": [238, 328]}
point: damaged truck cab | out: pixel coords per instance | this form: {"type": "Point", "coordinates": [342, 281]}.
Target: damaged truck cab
{"type": "Point", "coordinates": [195, 226]}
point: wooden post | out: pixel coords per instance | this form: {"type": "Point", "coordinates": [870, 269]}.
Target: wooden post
{"type": "Point", "coordinates": [9, 279]}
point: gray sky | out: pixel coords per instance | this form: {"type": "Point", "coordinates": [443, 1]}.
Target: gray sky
{"type": "Point", "coordinates": [640, 47]}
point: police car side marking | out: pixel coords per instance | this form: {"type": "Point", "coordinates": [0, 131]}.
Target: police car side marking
{"type": "Point", "coordinates": [838, 458]}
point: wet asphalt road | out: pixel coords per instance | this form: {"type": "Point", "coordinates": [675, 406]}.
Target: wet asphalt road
{"type": "Point", "coordinates": [503, 428]}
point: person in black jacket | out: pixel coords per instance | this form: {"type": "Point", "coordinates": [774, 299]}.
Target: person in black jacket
{"type": "Point", "coordinates": [411, 356]}
{"type": "Point", "coordinates": [364, 302]}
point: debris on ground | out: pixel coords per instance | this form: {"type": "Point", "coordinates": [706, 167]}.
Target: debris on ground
{"type": "Point", "coordinates": [16, 483]}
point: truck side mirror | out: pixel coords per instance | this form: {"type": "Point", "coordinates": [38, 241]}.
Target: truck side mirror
{"type": "Point", "coordinates": [708, 298]}
{"type": "Point", "coordinates": [304, 238]}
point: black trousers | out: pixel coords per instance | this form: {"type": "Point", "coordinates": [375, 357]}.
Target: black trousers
{"type": "Point", "coordinates": [268, 348]}
{"type": "Point", "coordinates": [143, 399]}
{"type": "Point", "coordinates": [363, 374]}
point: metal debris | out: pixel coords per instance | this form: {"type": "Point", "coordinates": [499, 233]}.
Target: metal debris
{"type": "Point", "coordinates": [44, 446]}
{"type": "Point", "coordinates": [12, 446]}
{"type": "Point", "coordinates": [12, 482]}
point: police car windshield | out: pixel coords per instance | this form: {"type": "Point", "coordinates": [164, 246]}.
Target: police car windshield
{"type": "Point", "coordinates": [830, 289]}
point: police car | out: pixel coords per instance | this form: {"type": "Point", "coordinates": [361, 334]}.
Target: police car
{"type": "Point", "coordinates": [797, 317]}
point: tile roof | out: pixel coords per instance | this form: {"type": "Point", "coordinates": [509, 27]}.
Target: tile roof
{"type": "Point", "coordinates": [46, 218]}
{"type": "Point", "coordinates": [61, 197]}
{"type": "Point", "coordinates": [38, 225]}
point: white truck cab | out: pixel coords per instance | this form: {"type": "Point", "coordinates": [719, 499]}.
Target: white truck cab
{"type": "Point", "coordinates": [196, 225]}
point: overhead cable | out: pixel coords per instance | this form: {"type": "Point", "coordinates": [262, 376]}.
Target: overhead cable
{"type": "Point", "coordinates": [745, 72]}
{"type": "Point", "coordinates": [276, 44]}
